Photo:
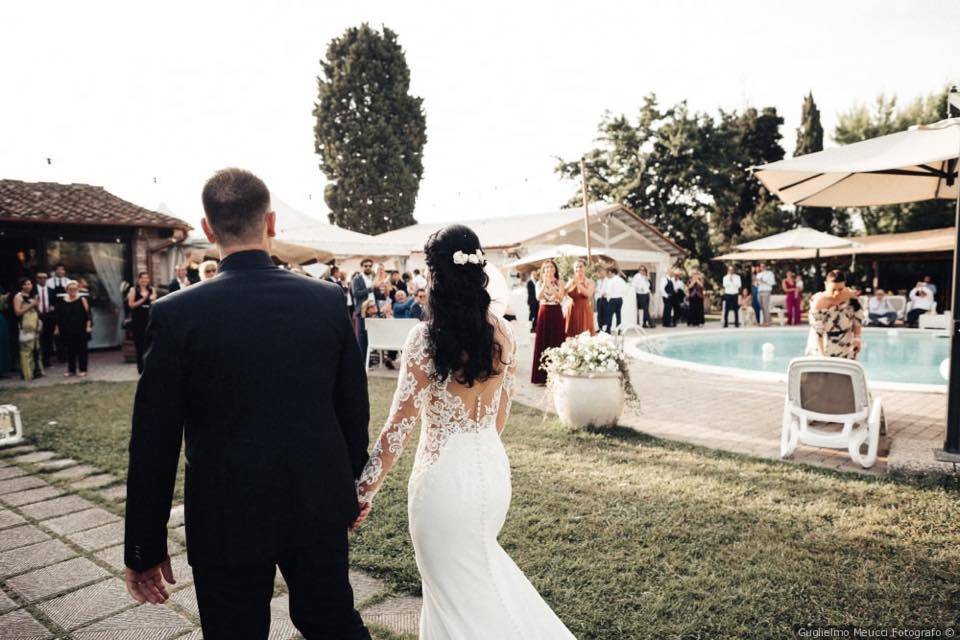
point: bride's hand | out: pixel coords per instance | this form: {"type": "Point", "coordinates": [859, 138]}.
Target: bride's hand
{"type": "Point", "coordinates": [365, 508]}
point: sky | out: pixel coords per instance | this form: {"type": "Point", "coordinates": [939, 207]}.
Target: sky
{"type": "Point", "coordinates": [149, 99]}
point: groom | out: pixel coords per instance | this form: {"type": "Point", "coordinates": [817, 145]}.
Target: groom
{"type": "Point", "coordinates": [258, 370]}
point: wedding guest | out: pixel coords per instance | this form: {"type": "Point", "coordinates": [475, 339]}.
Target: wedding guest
{"type": "Point", "coordinates": [75, 326]}
{"type": "Point", "coordinates": [402, 304]}
{"type": "Point", "coordinates": [836, 319]}
{"type": "Point", "coordinates": [28, 322]}
{"type": "Point", "coordinates": [419, 304]}
{"type": "Point", "coordinates": [921, 302]}
{"type": "Point", "coordinates": [58, 285]}
{"type": "Point", "coordinates": [612, 289]}
{"type": "Point", "coordinates": [695, 296]}
{"type": "Point", "coordinates": [550, 329]}
{"type": "Point", "coordinates": [333, 275]}
{"type": "Point", "coordinates": [755, 294]}
{"type": "Point", "coordinates": [880, 311]}
{"type": "Point", "coordinates": [10, 339]}
{"type": "Point", "coordinates": [139, 299]}
{"type": "Point", "coordinates": [679, 294]}
{"type": "Point", "coordinates": [789, 285]}
{"type": "Point", "coordinates": [765, 282]}
{"type": "Point", "coordinates": [180, 280]}
{"type": "Point", "coordinates": [666, 295]}
{"type": "Point", "coordinates": [641, 287]}
{"type": "Point", "coordinates": [580, 289]}
{"type": "Point", "coordinates": [533, 305]}
{"type": "Point", "coordinates": [746, 306]}
{"type": "Point", "coordinates": [397, 284]}
{"type": "Point", "coordinates": [46, 306]}
{"type": "Point", "coordinates": [208, 270]}
{"type": "Point", "coordinates": [419, 280]}
{"type": "Point", "coordinates": [362, 287]}
{"type": "Point", "coordinates": [731, 287]}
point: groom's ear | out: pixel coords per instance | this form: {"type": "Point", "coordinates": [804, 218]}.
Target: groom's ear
{"type": "Point", "coordinates": [208, 231]}
{"type": "Point", "coordinates": [271, 219]}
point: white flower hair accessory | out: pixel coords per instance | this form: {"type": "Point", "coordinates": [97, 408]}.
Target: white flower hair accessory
{"type": "Point", "coordinates": [461, 258]}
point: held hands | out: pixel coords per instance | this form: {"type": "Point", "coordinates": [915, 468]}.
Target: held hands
{"type": "Point", "coordinates": [365, 508]}
{"type": "Point", "coordinates": [148, 586]}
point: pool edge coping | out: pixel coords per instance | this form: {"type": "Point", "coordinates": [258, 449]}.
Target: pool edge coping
{"type": "Point", "coordinates": [762, 376]}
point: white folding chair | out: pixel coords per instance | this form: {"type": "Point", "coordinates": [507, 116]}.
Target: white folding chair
{"type": "Point", "coordinates": [387, 334]}
{"type": "Point", "coordinates": [832, 391]}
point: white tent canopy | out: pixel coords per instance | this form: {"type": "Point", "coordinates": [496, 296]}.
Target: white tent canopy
{"type": "Point", "coordinates": [799, 238]}
{"type": "Point", "coordinates": [908, 166]}
{"type": "Point", "coordinates": [625, 258]}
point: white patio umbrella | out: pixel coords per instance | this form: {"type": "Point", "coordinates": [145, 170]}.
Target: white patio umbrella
{"type": "Point", "coordinates": [799, 238]}
{"type": "Point", "coordinates": [909, 166]}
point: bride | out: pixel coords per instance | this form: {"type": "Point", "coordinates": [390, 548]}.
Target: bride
{"type": "Point", "coordinates": [457, 373]}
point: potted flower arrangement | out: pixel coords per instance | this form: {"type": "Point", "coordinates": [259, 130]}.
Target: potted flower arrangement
{"type": "Point", "coordinates": [589, 380]}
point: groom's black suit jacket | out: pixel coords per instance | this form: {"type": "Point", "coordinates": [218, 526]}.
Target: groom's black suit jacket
{"type": "Point", "coordinates": [259, 371]}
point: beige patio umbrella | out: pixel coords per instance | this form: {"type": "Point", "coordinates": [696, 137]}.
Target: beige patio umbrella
{"type": "Point", "coordinates": [909, 166]}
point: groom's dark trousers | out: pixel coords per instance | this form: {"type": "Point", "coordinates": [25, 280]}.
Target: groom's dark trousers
{"type": "Point", "coordinates": [258, 371]}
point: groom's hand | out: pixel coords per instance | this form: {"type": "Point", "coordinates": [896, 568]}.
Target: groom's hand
{"type": "Point", "coordinates": [365, 508]}
{"type": "Point", "coordinates": [148, 586]}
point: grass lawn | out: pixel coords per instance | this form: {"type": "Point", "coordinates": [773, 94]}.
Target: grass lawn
{"type": "Point", "coordinates": [630, 537]}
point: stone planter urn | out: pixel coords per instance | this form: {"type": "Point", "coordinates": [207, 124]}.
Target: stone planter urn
{"type": "Point", "coordinates": [583, 400]}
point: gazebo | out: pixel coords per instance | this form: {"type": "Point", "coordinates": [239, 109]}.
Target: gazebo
{"type": "Point", "coordinates": [98, 237]}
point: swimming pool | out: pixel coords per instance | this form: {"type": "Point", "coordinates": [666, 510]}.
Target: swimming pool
{"type": "Point", "coordinates": [895, 358]}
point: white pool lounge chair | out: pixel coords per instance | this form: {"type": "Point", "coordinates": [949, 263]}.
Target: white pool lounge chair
{"type": "Point", "coordinates": [831, 391]}
{"type": "Point", "coordinates": [388, 334]}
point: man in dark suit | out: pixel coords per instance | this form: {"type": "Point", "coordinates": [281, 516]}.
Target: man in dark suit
{"type": "Point", "coordinates": [58, 288]}
{"type": "Point", "coordinates": [270, 468]}
{"type": "Point", "coordinates": [532, 303]}
{"type": "Point", "coordinates": [180, 281]}
{"type": "Point", "coordinates": [46, 305]}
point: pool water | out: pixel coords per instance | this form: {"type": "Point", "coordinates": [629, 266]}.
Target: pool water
{"type": "Point", "coordinates": [909, 356]}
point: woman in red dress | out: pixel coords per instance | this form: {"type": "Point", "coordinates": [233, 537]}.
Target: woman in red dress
{"type": "Point", "coordinates": [549, 319]}
{"type": "Point", "coordinates": [580, 289]}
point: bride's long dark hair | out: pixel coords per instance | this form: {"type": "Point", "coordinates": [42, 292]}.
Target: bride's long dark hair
{"type": "Point", "coordinates": [459, 335]}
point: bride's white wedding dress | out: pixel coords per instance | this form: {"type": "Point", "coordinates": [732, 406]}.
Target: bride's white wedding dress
{"type": "Point", "coordinates": [459, 494]}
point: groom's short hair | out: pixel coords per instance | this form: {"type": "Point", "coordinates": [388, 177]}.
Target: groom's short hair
{"type": "Point", "coordinates": [235, 202]}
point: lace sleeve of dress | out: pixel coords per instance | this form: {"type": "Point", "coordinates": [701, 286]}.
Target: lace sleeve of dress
{"type": "Point", "coordinates": [404, 414]}
{"type": "Point", "coordinates": [509, 379]}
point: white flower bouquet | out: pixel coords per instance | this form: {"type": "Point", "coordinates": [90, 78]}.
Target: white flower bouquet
{"type": "Point", "coordinates": [586, 355]}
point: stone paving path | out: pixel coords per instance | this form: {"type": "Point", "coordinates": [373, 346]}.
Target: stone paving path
{"type": "Point", "coordinates": [61, 564]}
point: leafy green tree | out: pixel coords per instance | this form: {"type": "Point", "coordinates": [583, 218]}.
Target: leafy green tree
{"type": "Point", "coordinates": [810, 140]}
{"type": "Point", "coordinates": [369, 132]}
{"type": "Point", "coordinates": [884, 117]}
{"type": "Point", "coordinates": [686, 173]}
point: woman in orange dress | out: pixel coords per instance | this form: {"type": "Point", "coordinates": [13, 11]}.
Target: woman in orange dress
{"type": "Point", "coordinates": [580, 289]}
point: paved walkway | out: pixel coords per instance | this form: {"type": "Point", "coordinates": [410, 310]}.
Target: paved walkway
{"type": "Point", "coordinates": [61, 564]}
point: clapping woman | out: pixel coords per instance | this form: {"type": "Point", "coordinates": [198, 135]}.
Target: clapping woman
{"type": "Point", "coordinates": [28, 320]}
{"type": "Point", "coordinates": [580, 288]}
{"type": "Point", "coordinates": [74, 325]}
{"type": "Point", "coordinates": [139, 300]}
{"type": "Point", "coordinates": [550, 327]}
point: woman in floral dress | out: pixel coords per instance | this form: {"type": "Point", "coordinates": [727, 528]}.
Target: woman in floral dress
{"type": "Point", "coordinates": [836, 320]}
